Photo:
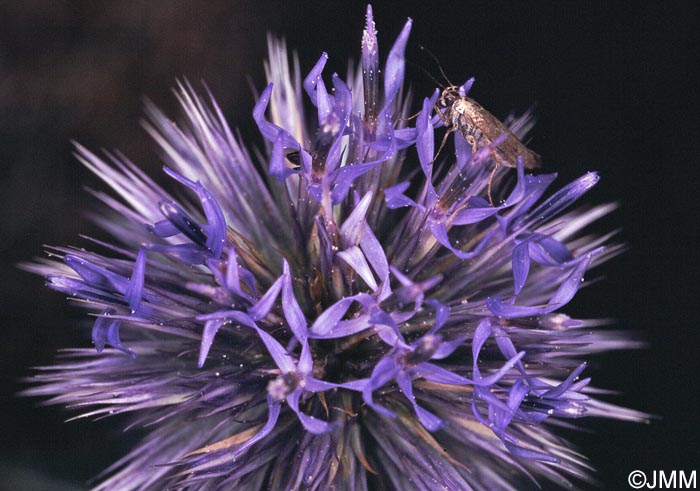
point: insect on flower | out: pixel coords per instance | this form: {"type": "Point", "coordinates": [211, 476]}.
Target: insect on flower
{"type": "Point", "coordinates": [480, 129]}
{"type": "Point", "coordinates": [328, 313]}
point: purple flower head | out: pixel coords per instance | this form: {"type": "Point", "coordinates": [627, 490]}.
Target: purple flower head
{"type": "Point", "coordinates": [357, 315]}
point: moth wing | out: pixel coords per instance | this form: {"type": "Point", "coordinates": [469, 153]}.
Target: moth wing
{"type": "Point", "coordinates": [491, 128]}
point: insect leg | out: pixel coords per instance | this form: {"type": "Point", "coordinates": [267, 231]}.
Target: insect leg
{"type": "Point", "coordinates": [491, 176]}
{"type": "Point", "coordinates": [473, 142]}
{"type": "Point", "coordinates": [444, 140]}
{"type": "Point", "coordinates": [413, 116]}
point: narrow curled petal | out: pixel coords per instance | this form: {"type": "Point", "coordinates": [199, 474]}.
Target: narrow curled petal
{"type": "Point", "coordinates": [182, 222]}
{"type": "Point", "coordinates": [312, 79]}
{"type": "Point", "coordinates": [356, 260]}
{"type": "Point", "coordinates": [264, 304]}
{"type": "Point", "coordinates": [463, 153]}
{"type": "Point", "coordinates": [280, 355]}
{"type": "Point", "coordinates": [235, 275]}
{"type": "Point", "coordinates": [292, 311]}
{"type": "Point", "coordinates": [395, 198]}
{"type": "Point", "coordinates": [270, 131]}
{"type": "Point", "coordinates": [473, 214]}
{"type": "Point", "coordinates": [440, 233]}
{"type": "Point", "coordinates": [354, 225]}
{"type": "Point", "coordinates": [216, 223]}
{"type": "Point", "coordinates": [324, 103]}
{"type": "Point", "coordinates": [565, 197]}
{"type": "Point", "coordinates": [345, 176]}
{"type": "Point", "coordinates": [502, 417]}
{"type": "Point", "coordinates": [346, 328]}
{"type": "Point", "coordinates": [395, 64]}
{"type": "Point", "coordinates": [561, 297]}
{"type": "Point", "coordinates": [466, 87]}
{"type": "Point", "coordinates": [134, 291]}
{"type": "Point", "coordinates": [100, 328]}
{"type": "Point", "coordinates": [385, 370]}
{"type": "Point", "coordinates": [106, 330]}
{"type": "Point", "coordinates": [425, 144]}
{"type": "Point", "coordinates": [442, 313]}
{"type": "Point", "coordinates": [273, 415]}
{"type": "Point", "coordinates": [163, 228]}
{"type": "Point", "coordinates": [549, 252]}
{"type": "Point", "coordinates": [435, 373]}
{"type": "Point", "coordinates": [312, 424]}
{"type": "Point", "coordinates": [329, 319]}
{"type": "Point", "coordinates": [521, 265]}
{"type": "Point", "coordinates": [373, 251]}
{"type": "Point", "coordinates": [560, 389]}
{"type": "Point", "coordinates": [481, 334]}
{"type": "Point", "coordinates": [448, 347]}
{"type": "Point", "coordinates": [427, 419]}
{"type": "Point", "coordinates": [187, 253]}
{"type": "Point", "coordinates": [96, 275]}
{"type": "Point", "coordinates": [211, 327]}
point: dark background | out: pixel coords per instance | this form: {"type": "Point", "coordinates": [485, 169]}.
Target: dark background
{"type": "Point", "coordinates": [616, 90]}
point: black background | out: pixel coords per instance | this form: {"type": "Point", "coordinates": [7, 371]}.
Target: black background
{"type": "Point", "coordinates": [615, 87]}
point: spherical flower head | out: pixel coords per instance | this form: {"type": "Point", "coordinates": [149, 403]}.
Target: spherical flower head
{"type": "Point", "coordinates": [358, 315]}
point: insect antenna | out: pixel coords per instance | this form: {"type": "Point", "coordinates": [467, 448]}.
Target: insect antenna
{"type": "Point", "coordinates": [437, 62]}
{"type": "Point", "coordinates": [430, 76]}
{"type": "Point", "coordinates": [426, 72]}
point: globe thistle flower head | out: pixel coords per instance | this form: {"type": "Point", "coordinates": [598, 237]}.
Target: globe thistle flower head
{"type": "Point", "coordinates": [357, 315]}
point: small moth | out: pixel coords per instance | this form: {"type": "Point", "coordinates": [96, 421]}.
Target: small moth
{"type": "Point", "coordinates": [480, 128]}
